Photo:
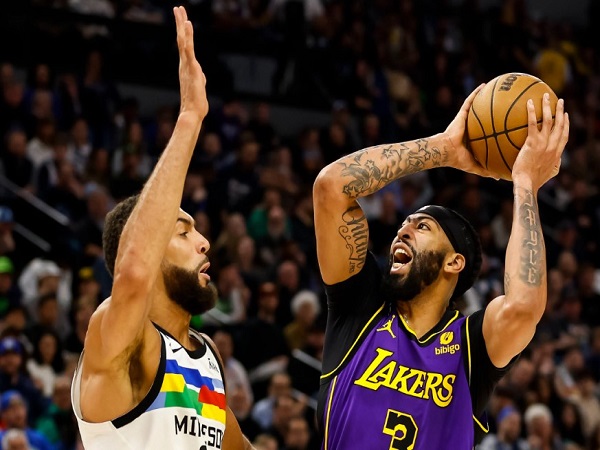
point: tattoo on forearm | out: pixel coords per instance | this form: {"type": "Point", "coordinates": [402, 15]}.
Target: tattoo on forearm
{"type": "Point", "coordinates": [374, 167]}
{"type": "Point", "coordinates": [533, 262]}
{"type": "Point", "coordinates": [355, 232]}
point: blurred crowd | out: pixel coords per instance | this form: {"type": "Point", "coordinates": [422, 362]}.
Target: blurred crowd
{"type": "Point", "coordinates": [387, 71]}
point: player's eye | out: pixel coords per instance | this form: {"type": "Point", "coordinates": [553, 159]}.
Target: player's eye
{"type": "Point", "coordinates": [184, 234]}
{"type": "Point", "coordinates": [423, 226]}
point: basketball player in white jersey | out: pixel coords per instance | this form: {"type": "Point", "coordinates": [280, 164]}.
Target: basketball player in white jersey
{"type": "Point", "coordinates": [145, 380]}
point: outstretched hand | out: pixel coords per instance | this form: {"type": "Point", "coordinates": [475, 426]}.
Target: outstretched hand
{"type": "Point", "coordinates": [539, 158]}
{"type": "Point", "coordinates": [459, 156]}
{"type": "Point", "coordinates": [192, 82]}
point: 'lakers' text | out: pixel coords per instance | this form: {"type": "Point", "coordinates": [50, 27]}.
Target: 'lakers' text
{"type": "Point", "coordinates": [384, 371]}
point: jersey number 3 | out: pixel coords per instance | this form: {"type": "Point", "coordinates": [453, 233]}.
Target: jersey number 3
{"type": "Point", "coordinates": [402, 428]}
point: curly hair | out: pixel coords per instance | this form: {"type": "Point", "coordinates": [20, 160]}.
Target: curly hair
{"type": "Point", "coordinates": [113, 227]}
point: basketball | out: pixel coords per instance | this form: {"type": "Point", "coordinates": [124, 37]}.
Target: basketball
{"type": "Point", "coordinates": [497, 119]}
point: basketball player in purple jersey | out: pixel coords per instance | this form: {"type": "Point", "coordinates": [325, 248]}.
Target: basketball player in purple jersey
{"type": "Point", "coordinates": [402, 369]}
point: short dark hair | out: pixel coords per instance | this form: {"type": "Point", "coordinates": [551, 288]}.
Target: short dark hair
{"type": "Point", "coordinates": [113, 228]}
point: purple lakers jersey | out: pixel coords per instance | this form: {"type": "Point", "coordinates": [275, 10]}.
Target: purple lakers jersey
{"type": "Point", "coordinates": [398, 392]}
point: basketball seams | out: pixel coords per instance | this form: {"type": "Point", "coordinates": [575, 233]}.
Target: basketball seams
{"type": "Point", "coordinates": [509, 109]}
{"type": "Point", "coordinates": [487, 147]}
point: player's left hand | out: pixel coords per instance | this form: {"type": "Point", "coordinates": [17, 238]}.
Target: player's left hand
{"type": "Point", "coordinates": [539, 158]}
{"type": "Point", "coordinates": [192, 82]}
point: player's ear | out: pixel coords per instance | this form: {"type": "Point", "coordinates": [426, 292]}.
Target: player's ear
{"type": "Point", "coordinates": [454, 263]}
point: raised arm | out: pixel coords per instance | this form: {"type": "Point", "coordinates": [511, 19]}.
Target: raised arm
{"type": "Point", "coordinates": [510, 320]}
{"type": "Point", "coordinates": [340, 224]}
{"type": "Point", "coordinates": [120, 324]}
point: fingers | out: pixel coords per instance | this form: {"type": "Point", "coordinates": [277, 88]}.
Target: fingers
{"type": "Point", "coordinates": [546, 114]}
{"type": "Point", "coordinates": [564, 138]}
{"type": "Point", "coordinates": [469, 100]}
{"type": "Point", "coordinates": [185, 32]}
{"type": "Point", "coordinates": [531, 118]}
{"type": "Point", "coordinates": [188, 50]}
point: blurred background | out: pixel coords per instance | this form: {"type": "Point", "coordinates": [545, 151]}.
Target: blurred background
{"type": "Point", "coordinates": [88, 100]}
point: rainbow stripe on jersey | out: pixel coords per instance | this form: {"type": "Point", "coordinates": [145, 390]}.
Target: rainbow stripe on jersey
{"type": "Point", "coordinates": [186, 388]}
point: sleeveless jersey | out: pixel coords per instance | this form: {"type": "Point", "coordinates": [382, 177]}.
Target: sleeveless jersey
{"type": "Point", "coordinates": [184, 409]}
{"type": "Point", "coordinates": [396, 392]}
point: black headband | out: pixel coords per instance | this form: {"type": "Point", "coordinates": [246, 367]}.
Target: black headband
{"type": "Point", "coordinates": [464, 240]}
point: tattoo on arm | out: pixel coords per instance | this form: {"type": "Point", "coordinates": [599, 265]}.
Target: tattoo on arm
{"type": "Point", "coordinates": [355, 232]}
{"type": "Point", "coordinates": [506, 283]}
{"type": "Point", "coordinates": [533, 261]}
{"type": "Point", "coordinates": [374, 167]}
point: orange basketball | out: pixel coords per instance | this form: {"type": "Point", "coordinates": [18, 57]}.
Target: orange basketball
{"type": "Point", "coordinates": [497, 120]}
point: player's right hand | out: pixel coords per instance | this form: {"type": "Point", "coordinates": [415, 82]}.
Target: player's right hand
{"type": "Point", "coordinates": [459, 156]}
{"type": "Point", "coordinates": [192, 82]}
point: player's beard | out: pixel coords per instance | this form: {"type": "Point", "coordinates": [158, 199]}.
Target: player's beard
{"type": "Point", "coordinates": [424, 270]}
{"type": "Point", "coordinates": [183, 288]}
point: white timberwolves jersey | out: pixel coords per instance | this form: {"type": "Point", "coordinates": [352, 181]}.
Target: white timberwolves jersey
{"type": "Point", "coordinates": [184, 409]}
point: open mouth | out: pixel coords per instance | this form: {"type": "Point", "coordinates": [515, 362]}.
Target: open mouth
{"type": "Point", "coordinates": [202, 271]}
{"type": "Point", "coordinates": [401, 258]}
{"type": "Point", "coordinates": [204, 267]}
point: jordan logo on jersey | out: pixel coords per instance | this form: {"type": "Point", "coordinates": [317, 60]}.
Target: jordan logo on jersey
{"type": "Point", "coordinates": [388, 327]}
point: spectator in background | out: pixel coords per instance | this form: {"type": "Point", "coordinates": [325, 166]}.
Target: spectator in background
{"type": "Point", "coordinates": [89, 229]}
{"type": "Point", "coordinates": [18, 166]}
{"type": "Point", "coordinates": [13, 376]}
{"type": "Point", "coordinates": [246, 259]}
{"type": "Point", "coordinates": [280, 383]}
{"type": "Point", "coordinates": [14, 439]}
{"type": "Point", "coordinates": [289, 283]}
{"type": "Point", "coordinates": [226, 243]}
{"type": "Point", "coordinates": [13, 112]}
{"type": "Point", "coordinates": [47, 173]}
{"type": "Point", "coordinates": [570, 425]}
{"type": "Point", "coordinates": [39, 148]}
{"type": "Point", "coordinates": [79, 146]}
{"type": "Point", "coordinates": [261, 344]}
{"type": "Point", "coordinates": [10, 294]}
{"type": "Point", "coordinates": [298, 436]}
{"type": "Point", "coordinates": [585, 399]}
{"type": "Point", "coordinates": [305, 309]}
{"type": "Point", "coordinates": [238, 187]}
{"type": "Point", "coordinates": [128, 181]}
{"type": "Point", "coordinates": [541, 433]}
{"type": "Point", "coordinates": [15, 324]}
{"type": "Point", "coordinates": [285, 408]}
{"type": "Point", "coordinates": [83, 309]}
{"type": "Point", "coordinates": [265, 441]}
{"type": "Point", "coordinates": [42, 276]}
{"type": "Point", "coordinates": [233, 298]}
{"type": "Point", "coordinates": [97, 170]}
{"type": "Point", "coordinates": [58, 424]}
{"type": "Point", "coordinates": [261, 127]}
{"type": "Point", "coordinates": [67, 195]}
{"type": "Point", "coordinates": [99, 96]}
{"type": "Point", "coordinates": [7, 240]}
{"type": "Point", "coordinates": [46, 362]}
{"type": "Point", "coordinates": [69, 98]}
{"type": "Point", "coordinates": [133, 143]}
{"type": "Point", "coordinates": [47, 317]}
{"type": "Point", "coordinates": [507, 436]}
{"type": "Point", "coordinates": [13, 410]}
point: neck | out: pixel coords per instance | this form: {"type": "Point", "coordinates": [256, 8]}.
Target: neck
{"type": "Point", "coordinates": [171, 318]}
{"type": "Point", "coordinates": [421, 315]}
